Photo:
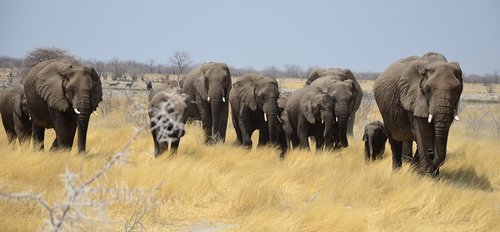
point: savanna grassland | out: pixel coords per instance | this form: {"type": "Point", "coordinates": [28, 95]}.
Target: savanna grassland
{"type": "Point", "coordinates": [223, 187]}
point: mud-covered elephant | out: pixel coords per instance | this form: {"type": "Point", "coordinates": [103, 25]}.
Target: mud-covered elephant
{"type": "Point", "coordinates": [15, 115]}
{"type": "Point", "coordinates": [168, 114]}
{"type": "Point", "coordinates": [310, 112]}
{"type": "Point", "coordinates": [62, 95]}
{"type": "Point", "coordinates": [254, 106]}
{"type": "Point", "coordinates": [375, 138]}
{"type": "Point", "coordinates": [345, 89]}
{"type": "Point", "coordinates": [208, 89]}
{"type": "Point", "coordinates": [418, 99]}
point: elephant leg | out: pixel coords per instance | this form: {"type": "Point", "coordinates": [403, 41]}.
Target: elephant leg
{"type": "Point", "coordinates": [263, 134]}
{"type": "Point", "coordinates": [303, 133]}
{"type": "Point", "coordinates": [65, 127]}
{"type": "Point", "coordinates": [320, 139]}
{"type": "Point", "coordinates": [174, 145]}
{"type": "Point", "coordinates": [367, 152]}
{"type": "Point", "coordinates": [156, 145]}
{"type": "Point", "coordinates": [336, 136]}
{"type": "Point", "coordinates": [245, 128]}
{"type": "Point", "coordinates": [11, 135]}
{"type": "Point", "coordinates": [424, 135]}
{"type": "Point", "coordinates": [162, 147]}
{"type": "Point", "coordinates": [38, 136]}
{"type": "Point", "coordinates": [396, 147]}
{"type": "Point", "coordinates": [206, 121]}
{"type": "Point", "coordinates": [407, 152]}
{"type": "Point", "coordinates": [237, 129]}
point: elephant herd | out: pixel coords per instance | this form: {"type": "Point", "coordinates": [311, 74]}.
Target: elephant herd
{"type": "Point", "coordinates": [417, 97]}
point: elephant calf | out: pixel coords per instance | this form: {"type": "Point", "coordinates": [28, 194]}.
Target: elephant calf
{"type": "Point", "coordinates": [168, 115]}
{"type": "Point", "coordinates": [375, 139]}
{"type": "Point", "coordinates": [15, 115]}
{"type": "Point", "coordinates": [309, 112]}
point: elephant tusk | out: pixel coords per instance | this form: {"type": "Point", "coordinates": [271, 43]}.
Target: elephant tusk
{"type": "Point", "coordinates": [208, 98]}
{"type": "Point", "coordinates": [265, 117]}
{"type": "Point", "coordinates": [279, 120]}
{"type": "Point", "coordinates": [457, 118]}
{"type": "Point", "coordinates": [430, 118]}
{"type": "Point", "coordinates": [76, 111]}
{"type": "Point", "coordinates": [223, 99]}
{"type": "Point", "coordinates": [30, 118]}
{"type": "Point", "coordinates": [95, 112]}
{"type": "Point", "coordinates": [336, 119]}
{"type": "Point", "coordinates": [322, 121]}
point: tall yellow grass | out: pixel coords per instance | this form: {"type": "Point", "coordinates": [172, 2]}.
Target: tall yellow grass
{"type": "Point", "coordinates": [232, 189]}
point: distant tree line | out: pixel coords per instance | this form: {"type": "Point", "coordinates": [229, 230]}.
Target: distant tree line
{"type": "Point", "coordinates": [178, 63]}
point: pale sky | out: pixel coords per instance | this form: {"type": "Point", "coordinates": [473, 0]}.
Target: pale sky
{"type": "Point", "coordinates": [360, 35]}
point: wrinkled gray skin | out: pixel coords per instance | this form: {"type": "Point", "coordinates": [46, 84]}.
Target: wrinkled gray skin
{"type": "Point", "coordinates": [168, 101]}
{"type": "Point", "coordinates": [62, 95]}
{"type": "Point", "coordinates": [375, 139]}
{"type": "Point", "coordinates": [281, 131]}
{"type": "Point", "coordinates": [254, 106]}
{"type": "Point", "coordinates": [347, 93]}
{"type": "Point", "coordinates": [309, 112]}
{"type": "Point", "coordinates": [407, 93]}
{"type": "Point", "coordinates": [15, 116]}
{"type": "Point", "coordinates": [208, 88]}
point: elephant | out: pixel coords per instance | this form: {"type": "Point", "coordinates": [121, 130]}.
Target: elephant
{"type": "Point", "coordinates": [208, 88]}
{"type": "Point", "coordinates": [15, 115]}
{"type": "Point", "coordinates": [309, 112]}
{"type": "Point", "coordinates": [418, 100]}
{"type": "Point", "coordinates": [254, 106]}
{"type": "Point", "coordinates": [347, 93]}
{"type": "Point", "coordinates": [61, 94]}
{"type": "Point", "coordinates": [168, 114]}
{"type": "Point", "coordinates": [375, 139]}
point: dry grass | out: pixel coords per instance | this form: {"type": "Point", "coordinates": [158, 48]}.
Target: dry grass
{"type": "Point", "coordinates": [233, 189]}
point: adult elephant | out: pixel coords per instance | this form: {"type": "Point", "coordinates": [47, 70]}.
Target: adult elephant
{"type": "Point", "coordinates": [309, 112]}
{"type": "Point", "coordinates": [254, 106]}
{"type": "Point", "coordinates": [62, 95]}
{"type": "Point", "coordinates": [15, 116]}
{"type": "Point", "coordinates": [208, 89]}
{"type": "Point", "coordinates": [347, 93]}
{"type": "Point", "coordinates": [418, 99]}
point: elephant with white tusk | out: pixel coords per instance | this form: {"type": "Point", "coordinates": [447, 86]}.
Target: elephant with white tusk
{"type": "Point", "coordinates": [418, 99]}
{"type": "Point", "coordinates": [62, 95]}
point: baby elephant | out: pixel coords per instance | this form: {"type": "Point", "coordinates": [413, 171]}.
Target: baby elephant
{"type": "Point", "coordinates": [15, 116]}
{"type": "Point", "coordinates": [168, 115]}
{"type": "Point", "coordinates": [375, 139]}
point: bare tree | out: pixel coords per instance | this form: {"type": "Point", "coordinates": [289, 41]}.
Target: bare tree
{"type": "Point", "coordinates": [182, 60]}
{"type": "Point", "coordinates": [293, 70]}
{"type": "Point", "coordinates": [42, 54]}
{"type": "Point", "coordinates": [118, 69]}
{"type": "Point", "coordinates": [151, 66]}
{"type": "Point", "coordinates": [272, 71]}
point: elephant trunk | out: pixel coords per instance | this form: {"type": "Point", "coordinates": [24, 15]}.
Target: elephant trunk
{"type": "Point", "coordinates": [328, 131]}
{"type": "Point", "coordinates": [271, 114]}
{"type": "Point", "coordinates": [83, 110]}
{"type": "Point", "coordinates": [342, 112]}
{"type": "Point", "coordinates": [215, 95]}
{"type": "Point", "coordinates": [441, 129]}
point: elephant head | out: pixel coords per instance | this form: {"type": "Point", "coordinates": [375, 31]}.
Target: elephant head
{"type": "Point", "coordinates": [319, 107]}
{"type": "Point", "coordinates": [430, 91]}
{"type": "Point", "coordinates": [343, 94]}
{"type": "Point", "coordinates": [260, 92]}
{"type": "Point", "coordinates": [70, 88]}
{"type": "Point", "coordinates": [214, 85]}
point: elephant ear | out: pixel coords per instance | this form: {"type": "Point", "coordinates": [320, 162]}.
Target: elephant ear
{"type": "Point", "coordinates": [312, 77]}
{"type": "Point", "coordinates": [307, 109]}
{"type": "Point", "coordinates": [411, 89]}
{"type": "Point", "coordinates": [201, 83]}
{"type": "Point", "coordinates": [49, 84]}
{"type": "Point", "coordinates": [97, 91]}
{"type": "Point", "coordinates": [246, 92]}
